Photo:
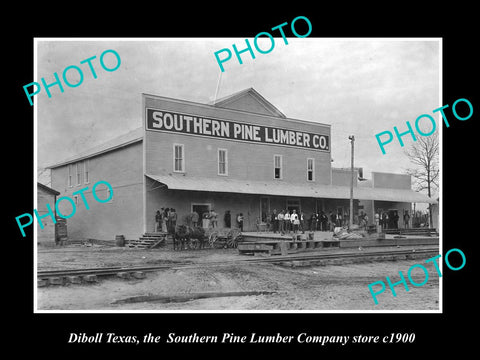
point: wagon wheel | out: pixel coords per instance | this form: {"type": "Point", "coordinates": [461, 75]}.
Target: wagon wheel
{"type": "Point", "coordinates": [212, 238]}
{"type": "Point", "coordinates": [193, 244]}
{"type": "Point", "coordinates": [233, 237]}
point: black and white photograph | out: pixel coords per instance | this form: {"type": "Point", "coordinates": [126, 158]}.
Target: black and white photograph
{"type": "Point", "coordinates": [221, 179]}
{"type": "Point", "coordinates": [208, 175]}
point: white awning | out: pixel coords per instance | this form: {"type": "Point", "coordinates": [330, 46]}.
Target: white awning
{"type": "Point", "coordinates": [282, 188]}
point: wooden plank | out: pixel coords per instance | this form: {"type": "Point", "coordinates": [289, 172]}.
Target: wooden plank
{"type": "Point", "coordinates": [156, 244]}
{"type": "Point", "coordinates": [255, 247]}
{"type": "Point", "coordinates": [262, 253]}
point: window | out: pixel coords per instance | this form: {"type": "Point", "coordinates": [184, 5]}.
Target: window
{"type": "Point", "coordinates": [85, 172]}
{"type": "Point", "coordinates": [79, 174]}
{"type": "Point", "coordinates": [310, 170]}
{"type": "Point", "coordinates": [70, 171]}
{"type": "Point", "coordinates": [222, 162]}
{"type": "Point", "coordinates": [277, 164]}
{"type": "Point", "coordinates": [178, 158]}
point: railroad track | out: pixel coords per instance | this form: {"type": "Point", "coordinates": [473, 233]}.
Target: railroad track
{"type": "Point", "coordinates": [109, 271]}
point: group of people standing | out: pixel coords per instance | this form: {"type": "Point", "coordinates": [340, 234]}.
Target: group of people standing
{"type": "Point", "coordinates": [389, 220]}
{"type": "Point", "coordinates": [208, 220]}
{"type": "Point", "coordinates": [165, 220]}
{"type": "Point", "coordinates": [286, 221]}
{"type": "Point", "coordinates": [323, 222]}
{"type": "Point", "coordinates": [289, 220]}
{"type": "Point", "coordinates": [283, 221]}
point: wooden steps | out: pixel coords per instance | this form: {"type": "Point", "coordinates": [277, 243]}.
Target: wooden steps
{"type": "Point", "coordinates": [150, 241]}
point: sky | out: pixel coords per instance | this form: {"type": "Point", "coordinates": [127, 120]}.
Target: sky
{"type": "Point", "coordinates": [360, 87]}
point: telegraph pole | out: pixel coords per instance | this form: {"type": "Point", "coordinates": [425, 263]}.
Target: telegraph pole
{"type": "Point", "coordinates": [352, 141]}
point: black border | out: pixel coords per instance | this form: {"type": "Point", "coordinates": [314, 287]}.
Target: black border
{"type": "Point", "coordinates": [47, 334]}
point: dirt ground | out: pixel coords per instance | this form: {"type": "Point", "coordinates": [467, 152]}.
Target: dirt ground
{"type": "Point", "coordinates": [331, 287]}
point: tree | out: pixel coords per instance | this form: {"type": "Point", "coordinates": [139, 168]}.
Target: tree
{"type": "Point", "coordinates": [424, 154]}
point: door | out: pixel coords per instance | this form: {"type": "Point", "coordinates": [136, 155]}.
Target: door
{"type": "Point", "coordinates": [293, 204]}
{"type": "Point", "coordinates": [264, 208]}
{"type": "Point", "coordinates": [201, 209]}
{"type": "Point", "coordinates": [392, 219]}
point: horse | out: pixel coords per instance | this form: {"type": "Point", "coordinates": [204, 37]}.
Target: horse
{"type": "Point", "coordinates": [197, 233]}
{"type": "Point", "coordinates": [187, 237]}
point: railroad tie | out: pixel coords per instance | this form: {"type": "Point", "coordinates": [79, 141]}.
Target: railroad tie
{"type": "Point", "coordinates": [139, 275]}
{"type": "Point", "coordinates": [42, 282]}
{"type": "Point", "coordinates": [123, 275]}
{"type": "Point", "coordinates": [73, 279]}
{"type": "Point", "coordinates": [90, 278]}
{"type": "Point", "coordinates": [55, 280]}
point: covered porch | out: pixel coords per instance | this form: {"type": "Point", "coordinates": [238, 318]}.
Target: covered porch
{"type": "Point", "coordinates": [256, 200]}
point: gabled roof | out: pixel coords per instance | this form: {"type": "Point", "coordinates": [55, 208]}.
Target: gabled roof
{"type": "Point", "coordinates": [120, 141]}
{"type": "Point", "coordinates": [48, 189]}
{"type": "Point", "coordinates": [249, 100]}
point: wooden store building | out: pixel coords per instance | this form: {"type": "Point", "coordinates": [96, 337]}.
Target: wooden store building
{"type": "Point", "coordinates": [240, 154]}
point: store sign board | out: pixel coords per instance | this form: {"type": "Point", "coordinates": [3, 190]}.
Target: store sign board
{"type": "Point", "coordinates": [168, 121]}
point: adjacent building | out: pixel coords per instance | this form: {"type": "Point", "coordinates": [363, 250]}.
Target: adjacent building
{"type": "Point", "coordinates": [46, 195]}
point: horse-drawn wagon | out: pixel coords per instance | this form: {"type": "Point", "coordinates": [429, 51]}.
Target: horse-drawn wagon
{"type": "Point", "coordinates": [224, 238]}
{"type": "Point", "coordinates": [187, 237]}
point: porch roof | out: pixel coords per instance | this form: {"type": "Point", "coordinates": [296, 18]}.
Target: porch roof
{"type": "Point", "coordinates": [282, 188]}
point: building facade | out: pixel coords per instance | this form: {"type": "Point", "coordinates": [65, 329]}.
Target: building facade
{"type": "Point", "coordinates": [238, 155]}
{"type": "Point", "coordinates": [46, 195]}
{"type": "Point", "coordinates": [119, 162]}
